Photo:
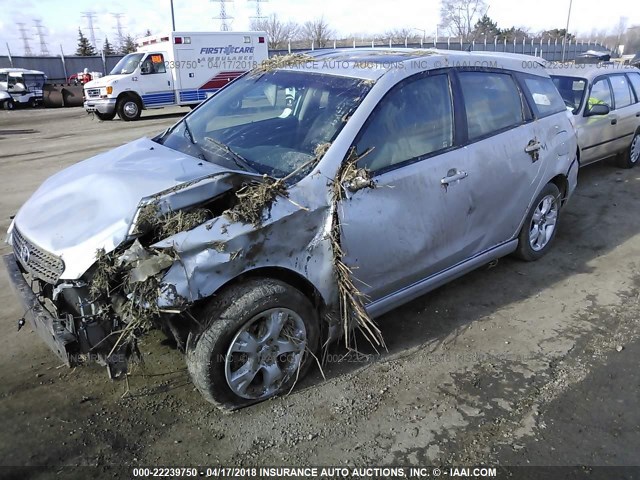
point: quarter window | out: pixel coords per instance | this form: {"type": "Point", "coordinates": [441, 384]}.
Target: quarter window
{"type": "Point", "coordinates": [621, 92]}
{"type": "Point", "coordinates": [600, 93]}
{"type": "Point", "coordinates": [415, 119]}
{"type": "Point", "coordinates": [492, 102]}
{"type": "Point", "coordinates": [545, 96]}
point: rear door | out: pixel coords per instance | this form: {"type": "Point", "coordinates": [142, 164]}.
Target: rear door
{"type": "Point", "coordinates": [625, 110]}
{"type": "Point", "coordinates": [505, 158]}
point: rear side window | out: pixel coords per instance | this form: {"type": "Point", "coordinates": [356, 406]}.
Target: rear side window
{"type": "Point", "coordinates": [413, 120]}
{"type": "Point", "coordinates": [634, 78]}
{"type": "Point", "coordinates": [545, 96]}
{"type": "Point", "coordinates": [621, 91]}
{"type": "Point", "coordinates": [600, 93]}
{"type": "Point", "coordinates": [492, 102]}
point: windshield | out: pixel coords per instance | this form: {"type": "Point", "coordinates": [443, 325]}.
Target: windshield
{"type": "Point", "coordinates": [571, 90]}
{"type": "Point", "coordinates": [269, 123]}
{"type": "Point", "coordinates": [127, 64]}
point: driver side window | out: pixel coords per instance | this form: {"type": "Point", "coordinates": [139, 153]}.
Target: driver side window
{"type": "Point", "coordinates": [413, 120]}
{"type": "Point", "coordinates": [153, 64]}
{"type": "Point", "coordinates": [600, 93]}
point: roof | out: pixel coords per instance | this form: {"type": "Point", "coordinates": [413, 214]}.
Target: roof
{"type": "Point", "coordinates": [373, 63]}
{"type": "Point", "coordinates": [21, 70]}
{"type": "Point", "coordinates": [589, 72]}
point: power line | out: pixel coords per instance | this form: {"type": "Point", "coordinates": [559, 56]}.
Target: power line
{"type": "Point", "coordinates": [92, 33]}
{"type": "Point", "coordinates": [259, 15]}
{"type": "Point", "coordinates": [44, 49]}
{"type": "Point", "coordinates": [224, 17]}
{"type": "Point", "coordinates": [25, 39]}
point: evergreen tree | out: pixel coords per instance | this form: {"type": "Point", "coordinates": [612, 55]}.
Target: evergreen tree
{"type": "Point", "coordinates": [107, 48]}
{"type": "Point", "coordinates": [148, 33]}
{"type": "Point", "coordinates": [128, 45]}
{"type": "Point", "coordinates": [85, 49]}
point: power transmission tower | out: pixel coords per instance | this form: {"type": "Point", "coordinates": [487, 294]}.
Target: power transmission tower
{"type": "Point", "coordinates": [25, 39]}
{"type": "Point", "coordinates": [224, 17]}
{"type": "Point", "coordinates": [44, 49]}
{"type": "Point", "coordinates": [118, 16]}
{"type": "Point", "coordinates": [259, 15]}
{"type": "Point", "coordinates": [92, 33]}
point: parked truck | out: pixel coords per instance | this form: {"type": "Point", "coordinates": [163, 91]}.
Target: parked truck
{"type": "Point", "coordinates": [178, 68]}
{"type": "Point", "coordinates": [25, 87]}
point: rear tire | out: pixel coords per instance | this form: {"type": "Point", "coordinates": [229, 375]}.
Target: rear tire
{"type": "Point", "coordinates": [540, 225]}
{"type": "Point", "coordinates": [629, 158]}
{"type": "Point", "coordinates": [32, 103]}
{"type": "Point", "coordinates": [255, 343]}
{"type": "Point", "coordinates": [129, 109]}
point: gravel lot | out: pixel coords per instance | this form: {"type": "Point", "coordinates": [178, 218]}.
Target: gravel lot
{"type": "Point", "coordinates": [519, 364]}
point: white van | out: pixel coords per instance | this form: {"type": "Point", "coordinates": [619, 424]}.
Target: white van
{"type": "Point", "coordinates": [179, 68]}
{"type": "Point", "coordinates": [24, 86]}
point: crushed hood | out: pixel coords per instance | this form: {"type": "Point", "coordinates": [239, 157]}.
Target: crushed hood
{"type": "Point", "coordinates": [91, 205]}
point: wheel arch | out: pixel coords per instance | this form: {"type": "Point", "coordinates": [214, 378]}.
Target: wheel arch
{"type": "Point", "coordinates": [130, 94]}
{"type": "Point", "coordinates": [286, 275]}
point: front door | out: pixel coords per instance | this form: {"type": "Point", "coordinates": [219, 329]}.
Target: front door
{"type": "Point", "coordinates": [413, 222]}
{"type": "Point", "coordinates": [598, 132]}
{"type": "Point", "coordinates": [156, 85]}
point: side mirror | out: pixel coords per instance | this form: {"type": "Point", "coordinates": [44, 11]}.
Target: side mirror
{"type": "Point", "coordinates": [598, 109]}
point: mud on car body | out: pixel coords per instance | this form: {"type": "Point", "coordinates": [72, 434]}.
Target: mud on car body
{"type": "Point", "coordinates": [298, 203]}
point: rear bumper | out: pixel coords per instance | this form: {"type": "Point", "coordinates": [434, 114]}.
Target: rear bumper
{"type": "Point", "coordinates": [101, 105]}
{"type": "Point", "coordinates": [57, 338]}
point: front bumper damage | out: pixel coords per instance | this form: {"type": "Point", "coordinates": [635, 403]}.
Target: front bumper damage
{"type": "Point", "coordinates": [49, 328]}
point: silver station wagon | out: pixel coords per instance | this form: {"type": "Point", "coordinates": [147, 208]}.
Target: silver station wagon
{"type": "Point", "coordinates": [605, 102]}
{"type": "Point", "coordinates": [302, 201]}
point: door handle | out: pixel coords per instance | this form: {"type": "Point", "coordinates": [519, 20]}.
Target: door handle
{"type": "Point", "coordinates": [638, 114]}
{"type": "Point", "coordinates": [533, 147]}
{"type": "Point", "coordinates": [453, 175]}
{"type": "Point", "coordinates": [614, 121]}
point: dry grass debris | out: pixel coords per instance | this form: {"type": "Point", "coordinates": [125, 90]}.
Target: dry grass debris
{"type": "Point", "coordinates": [256, 197]}
{"type": "Point", "coordinates": [283, 61]}
{"type": "Point", "coordinates": [353, 313]}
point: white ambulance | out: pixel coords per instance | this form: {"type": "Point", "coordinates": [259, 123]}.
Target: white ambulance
{"type": "Point", "coordinates": [179, 68]}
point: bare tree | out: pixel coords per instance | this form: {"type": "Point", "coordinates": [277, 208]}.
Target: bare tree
{"type": "Point", "coordinates": [398, 35]}
{"type": "Point", "coordinates": [317, 31]}
{"type": "Point", "coordinates": [460, 16]}
{"type": "Point", "coordinates": [279, 32]}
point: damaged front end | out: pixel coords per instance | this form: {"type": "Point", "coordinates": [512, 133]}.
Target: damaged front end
{"type": "Point", "coordinates": [99, 314]}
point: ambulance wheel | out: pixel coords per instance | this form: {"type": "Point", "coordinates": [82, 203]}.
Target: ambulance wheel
{"type": "Point", "coordinates": [129, 108]}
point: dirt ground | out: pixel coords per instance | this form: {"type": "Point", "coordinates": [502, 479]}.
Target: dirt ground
{"type": "Point", "coordinates": [518, 364]}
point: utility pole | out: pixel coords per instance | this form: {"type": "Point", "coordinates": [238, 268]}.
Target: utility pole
{"type": "Point", "coordinates": [25, 39]}
{"type": "Point", "coordinates": [224, 17]}
{"type": "Point", "coordinates": [566, 31]}
{"type": "Point", "coordinates": [44, 49]}
{"type": "Point", "coordinates": [173, 18]}
{"type": "Point", "coordinates": [92, 32]}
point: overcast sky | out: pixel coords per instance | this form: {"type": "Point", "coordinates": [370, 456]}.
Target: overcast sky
{"type": "Point", "coordinates": [346, 17]}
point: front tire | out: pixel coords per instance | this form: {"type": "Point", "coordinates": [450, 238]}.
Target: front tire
{"type": "Point", "coordinates": [9, 104]}
{"type": "Point", "coordinates": [630, 157]}
{"type": "Point", "coordinates": [129, 109]}
{"type": "Point", "coordinates": [257, 341]}
{"type": "Point", "coordinates": [540, 225]}
{"type": "Point", "coordinates": [105, 116]}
